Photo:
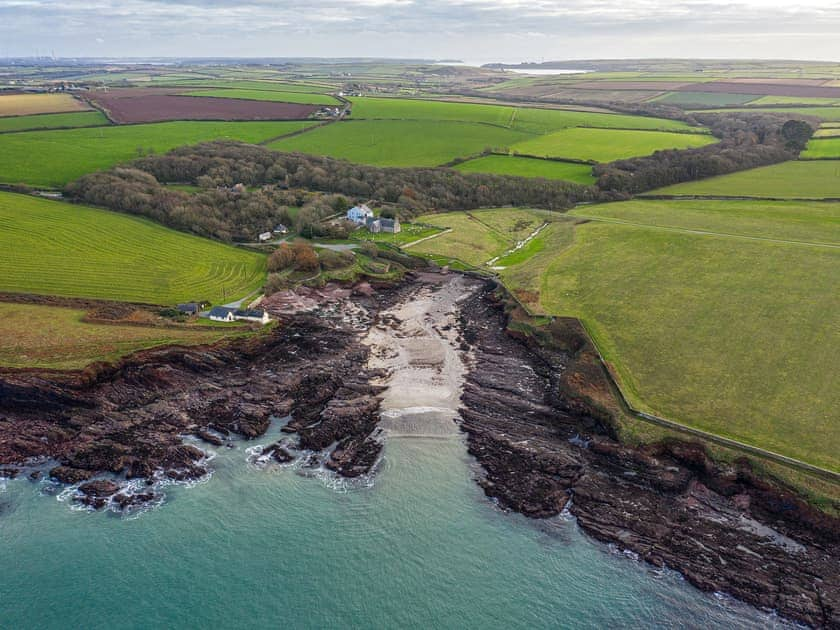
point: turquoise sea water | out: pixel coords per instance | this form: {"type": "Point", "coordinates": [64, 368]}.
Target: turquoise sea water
{"type": "Point", "coordinates": [270, 548]}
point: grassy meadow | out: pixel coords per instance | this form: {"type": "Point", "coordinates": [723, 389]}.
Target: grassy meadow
{"type": "Point", "coordinates": [804, 222]}
{"type": "Point", "coordinates": [529, 167]}
{"type": "Point", "coordinates": [822, 148]}
{"type": "Point", "coordinates": [798, 180]}
{"type": "Point", "coordinates": [400, 142]}
{"type": "Point", "coordinates": [738, 337]}
{"type": "Point", "coordinates": [37, 336]}
{"type": "Point", "coordinates": [478, 236]}
{"type": "Point", "coordinates": [306, 98]}
{"type": "Point", "coordinates": [53, 248]}
{"type": "Point", "coordinates": [825, 113]}
{"type": "Point", "coordinates": [529, 119]}
{"type": "Point", "coordinates": [52, 121]}
{"type": "Point", "coordinates": [26, 104]}
{"type": "Point", "coordinates": [54, 158]}
{"type": "Point", "coordinates": [713, 99]}
{"type": "Point", "coordinates": [606, 145]}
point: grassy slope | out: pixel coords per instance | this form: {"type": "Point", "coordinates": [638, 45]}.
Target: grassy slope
{"type": "Point", "coordinates": [24, 104]}
{"type": "Point", "coordinates": [705, 98]}
{"type": "Point", "coordinates": [529, 167]}
{"type": "Point", "coordinates": [54, 337]}
{"type": "Point", "coordinates": [606, 145]}
{"type": "Point", "coordinates": [813, 222]}
{"type": "Point", "coordinates": [479, 235]}
{"type": "Point", "coordinates": [306, 98]}
{"type": "Point", "coordinates": [825, 113]}
{"type": "Point", "coordinates": [732, 336]}
{"type": "Point", "coordinates": [53, 158]}
{"type": "Point", "coordinates": [400, 143]}
{"type": "Point", "coordinates": [822, 148]}
{"type": "Point", "coordinates": [52, 121]}
{"type": "Point", "coordinates": [816, 179]}
{"type": "Point", "coordinates": [533, 120]}
{"type": "Point", "coordinates": [53, 248]}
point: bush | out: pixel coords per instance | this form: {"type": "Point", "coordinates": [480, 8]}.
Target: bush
{"type": "Point", "coordinates": [369, 248]}
{"type": "Point", "coordinates": [331, 259]}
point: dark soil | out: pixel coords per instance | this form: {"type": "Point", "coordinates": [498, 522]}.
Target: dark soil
{"type": "Point", "coordinates": [155, 107]}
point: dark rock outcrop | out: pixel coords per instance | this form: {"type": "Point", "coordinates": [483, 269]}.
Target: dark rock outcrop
{"type": "Point", "coordinates": [720, 526]}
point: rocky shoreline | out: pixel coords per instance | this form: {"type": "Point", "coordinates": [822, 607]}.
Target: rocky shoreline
{"type": "Point", "coordinates": [723, 528]}
{"type": "Point", "coordinates": [128, 420]}
{"type": "Point", "coordinates": [327, 367]}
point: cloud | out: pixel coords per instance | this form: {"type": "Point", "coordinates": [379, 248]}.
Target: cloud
{"type": "Point", "coordinates": [427, 28]}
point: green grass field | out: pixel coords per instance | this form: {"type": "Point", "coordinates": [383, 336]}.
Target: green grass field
{"type": "Point", "coordinates": [806, 180]}
{"type": "Point", "coordinates": [827, 132]}
{"type": "Point", "coordinates": [821, 148]}
{"type": "Point", "coordinates": [245, 84]}
{"type": "Point", "coordinates": [480, 235]}
{"type": "Point", "coordinates": [400, 142]}
{"type": "Point", "coordinates": [800, 221]}
{"type": "Point", "coordinates": [734, 336]}
{"type": "Point", "coordinates": [53, 248]}
{"type": "Point", "coordinates": [529, 167]}
{"type": "Point", "coordinates": [824, 113]}
{"type": "Point", "coordinates": [530, 119]}
{"type": "Point", "coordinates": [713, 99]}
{"type": "Point", "coordinates": [605, 145]}
{"type": "Point", "coordinates": [37, 336]}
{"type": "Point", "coordinates": [52, 121]}
{"type": "Point", "coordinates": [53, 158]}
{"type": "Point", "coordinates": [306, 98]}
{"type": "Point", "coordinates": [409, 233]}
{"type": "Point", "coordinates": [796, 100]}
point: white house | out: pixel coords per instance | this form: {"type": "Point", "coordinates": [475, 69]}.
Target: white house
{"type": "Point", "coordinates": [221, 314]}
{"type": "Point", "coordinates": [359, 214]}
{"type": "Point", "coordinates": [265, 236]}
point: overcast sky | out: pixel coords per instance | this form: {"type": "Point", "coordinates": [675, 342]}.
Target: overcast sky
{"type": "Point", "coordinates": [475, 30]}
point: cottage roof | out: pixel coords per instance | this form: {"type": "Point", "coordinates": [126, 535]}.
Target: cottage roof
{"type": "Point", "coordinates": [221, 311]}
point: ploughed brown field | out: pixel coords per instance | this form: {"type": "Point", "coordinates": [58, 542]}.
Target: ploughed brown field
{"type": "Point", "coordinates": [146, 106]}
{"type": "Point", "coordinates": [764, 89]}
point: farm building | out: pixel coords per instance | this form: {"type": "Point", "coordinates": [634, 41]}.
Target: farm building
{"type": "Point", "coordinates": [221, 314]}
{"type": "Point", "coordinates": [389, 226]}
{"type": "Point", "coordinates": [359, 214]}
{"type": "Point", "coordinates": [189, 308]}
{"type": "Point", "coordinates": [229, 314]}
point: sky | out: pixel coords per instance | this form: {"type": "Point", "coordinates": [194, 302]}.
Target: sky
{"type": "Point", "coordinates": [471, 30]}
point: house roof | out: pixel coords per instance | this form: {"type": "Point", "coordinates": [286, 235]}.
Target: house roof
{"type": "Point", "coordinates": [221, 311]}
{"type": "Point", "coordinates": [253, 312]}
{"type": "Point", "coordinates": [188, 307]}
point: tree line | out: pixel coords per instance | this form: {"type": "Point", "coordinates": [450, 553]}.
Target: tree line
{"type": "Point", "coordinates": [244, 190]}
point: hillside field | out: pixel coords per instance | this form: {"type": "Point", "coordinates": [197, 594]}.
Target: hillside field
{"type": "Point", "coordinates": [606, 145]}
{"type": "Point", "coordinates": [530, 119]}
{"type": "Point", "coordinates": [479, 235]}
{"type": "Point", "coordinates": [25, 104]}
{"type": "Point", "coordinates": [400, 142]}
{"type": "Point", "coordinates": [54, 158]}
{"type": "Point", "coordinates": [529, 167]}
{"type": "Point", "coordinates": [53, 248]}
{"type": "Point", "coordinates": [734, 332]}
{"type": "Point", "coordinates": [815, 179]}
{"type": "Point", "coordinates": [52, 121]}
{"type": "Point", "coordinates": [306, 98]}
{"type": "Point", "coordinates": [821, 148]}
{"type": "Point", "coordinates": [37, 336]}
